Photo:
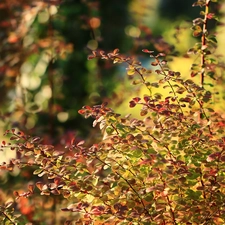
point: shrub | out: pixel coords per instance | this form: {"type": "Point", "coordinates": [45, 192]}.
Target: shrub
{"type": "Point", "coordinates": [165, 167]}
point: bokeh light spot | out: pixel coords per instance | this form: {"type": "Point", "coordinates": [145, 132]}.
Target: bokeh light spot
{"type": "Point", "coordinates": [43, 17]}
{"type": "Point", "coordinates": [63, 116]}
{"type": "Point", "coordinates": [92, 45]}
{"type": "Point", "coordinates": [95, 22]}
{"type": "Point", "coordinates": [132, 31]}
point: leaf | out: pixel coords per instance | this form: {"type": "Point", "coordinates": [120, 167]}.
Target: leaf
{"type": "Point", "coordinates": [156, 85]}
{"type": "Point", "coordinates": [147, 51]}
{"type": "Point", "coordinates": [136, 99]}
{"type": "Point", "coordinates": [180, 90]}
{"type": "Point", "coordinates": [31, 188]}
{"type": "Point", "coordinates": [155, 63]}
{"type": "Point", "coordinates": [212, 38]}
{"type": "Point", "coordinates": [210, 16]}
{"type": "Point", "coordinates": [14, 138]}
{"type": "Point", "coordinates": [109, 130]}
{"type": "Point", "coordinates": [194, 195]}
{"type": "Point", "coordinates": [132, 104]}
{"type": "Point", "coordinates": [100, 119]}
{"type": "Point", "coordinates": [91, 57]}
{"type": "Point", "coordinates": [162, 54]}
{"type": "Point", "coordinates": [9, 204]}
{"type": "Point", "coordinates": [66, 194]}
{"type": "Point", "coordinates": [213, 157]}
{"type": "Point", "coordinates": [135, 82]}
{"type": "Point", "coordinates": [28, 145]}
{"type": "Point", "coordinates": [115, 51]}
{"type": "Point", "coordinates": [35, 139]}
{"type": "Point", "coordinates": [58, 153]}
{"type": "Point", "coordinates": [218, 220]}
{"type": "Point", "coordinates": [163, 62]}
{"type": "Point", "coordinates": [207, 96]}
{"type": "Point", "coordinates": [187, 99]}
{"type": "Point", "coordinates": [39, 185]}
{"type": "Point", "coordinates": [117, 60]}
{"type": "Point", "coordinates": [144, 112]}
{"type": "Point", "coordinates": [197, 30]}
{"type": "Point", "coordinates": [38, 171]}
{"type": "Point", "coordinates": [130, 72]}
{"type": "Point", "coordinates": [198, 21]}
{"type": "Point", "coordinates": [80, 143]}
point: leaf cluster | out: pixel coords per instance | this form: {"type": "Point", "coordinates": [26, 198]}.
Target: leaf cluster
{"type": "Point", "coordinates": [165, 167]}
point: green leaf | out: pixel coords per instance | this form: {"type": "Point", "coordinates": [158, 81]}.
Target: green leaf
{"type": "Point", "coordinates": [38, 171]}
{"type": "Point", "coordinates": [117, 60]}
{"type": "Point", "coordinates": [211, 38]}
{"type": "Point", "coordinates": [195, 195]}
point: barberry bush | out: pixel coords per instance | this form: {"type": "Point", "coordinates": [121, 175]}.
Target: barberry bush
{"type": "Point", "coordinates": [164, 167]}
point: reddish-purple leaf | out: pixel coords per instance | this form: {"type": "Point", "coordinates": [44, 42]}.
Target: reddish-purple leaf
{"type": "Point", "coordinates": [136, 99]}
{"type": "Point", "coordinates": [132, 104]}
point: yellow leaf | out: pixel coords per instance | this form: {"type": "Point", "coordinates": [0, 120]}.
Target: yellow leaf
{"type": "Point", "coordinates": [130, 72]}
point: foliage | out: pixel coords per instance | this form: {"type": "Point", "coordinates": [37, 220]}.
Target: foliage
{"type": "Point", "coordinates": [165, 167]}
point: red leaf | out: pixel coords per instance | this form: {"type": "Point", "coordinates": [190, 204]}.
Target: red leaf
{"type": "Point", "coordinates": [193, 74]}
{"type": "Point", "coordinates": [147, 51]}
{"type": "Point", "coordinates": [102, 53]}
{"type": "Point", "coordinates": [136, 99]}
{"type": "Point", "coordinates": [221, 124]}
{"type": "Point", "coordinates": [91, 57]}
{"type": "Point", "coordinates": [96, 211]}
{"type": "Point", "coordinates": [87, 107]}
{"type": "Point", "coordinates": [132, 104]}
{"type": "Point", "coordinates": [146, 98]}
{"type": "Point", "coordinates": [145, 161]}
{"type": "Point", "coordinates": [16, 193]}
{"type": "Point", "coordinates": [210, 16]}
{"type": "Point", "coordinates": [81, 111]}
{"type": "Point", "coordinates": [57, 180]}
{"type": "Point", "coordinates": [115, 51]}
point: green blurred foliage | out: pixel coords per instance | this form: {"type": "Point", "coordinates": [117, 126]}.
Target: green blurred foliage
{"type": "Point", "coordinates": [177, 9]}
{"type": "Point", "coordinates": [52, 79]}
